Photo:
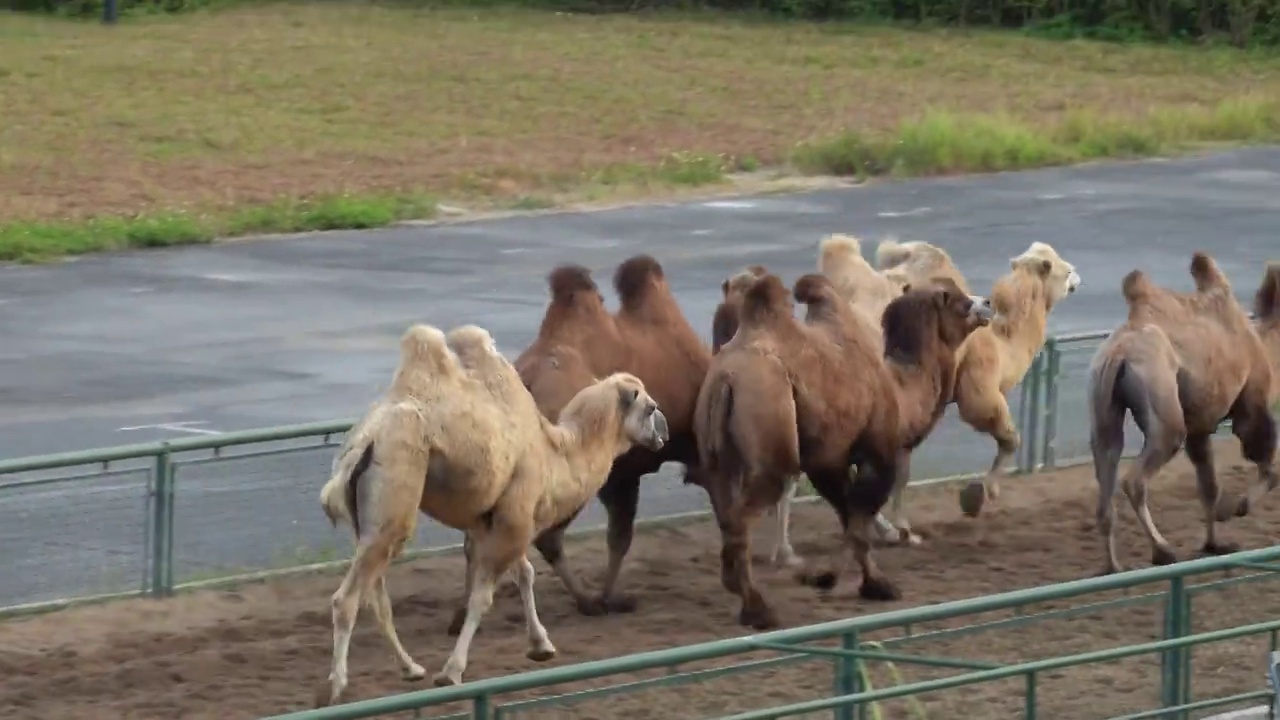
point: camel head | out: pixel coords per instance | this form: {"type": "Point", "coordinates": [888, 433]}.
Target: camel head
{"type": "Point", "coordinates": [643, 423]}
{"type": "Point", "coordinates": [954, 312]}
{"type": "Point", "coordinates": [1059, 276]}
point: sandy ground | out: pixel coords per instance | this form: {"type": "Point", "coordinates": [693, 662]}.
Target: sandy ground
{"type": "Point", "coordinates": [262, 649]}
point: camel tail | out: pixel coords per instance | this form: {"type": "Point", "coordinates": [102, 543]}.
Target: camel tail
{"type": "Point", "coordinates": [891, 253]}
{"type": "Point", "coordinates": [719, 453]}
{"type": "Point", "coordinates": [1266, 305]}
{"type": "Point", "coordinates": [340, 497]}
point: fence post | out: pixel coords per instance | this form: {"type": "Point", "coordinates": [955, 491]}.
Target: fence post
{"type": "Point", "coordinates": [1053, 366]}
{"type": "Point", "coordinates": [847, 678]}
{"type": "Point", "coordinates": [1173, 670]}
{"type": "Point", "coordinates": [110, 11]}
{"type": "Point", "coordinates": [161, 523]}
{"type": "Point", "coordinates": [1032, 429]}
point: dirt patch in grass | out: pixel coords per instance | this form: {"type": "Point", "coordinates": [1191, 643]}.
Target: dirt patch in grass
{"type": "Point", "coordinates": [248, 105]}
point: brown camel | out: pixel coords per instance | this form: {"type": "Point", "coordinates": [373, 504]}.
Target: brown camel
{"type": "Point", "coordinates": [1179, 364]}
{"type": "Point", "coordinates": [580, 340]}
{"type": "Point", "coordinates": [459, 438]}
{"type": "Point", "coordinates": [784, 397]}
{"type": "Point", "coordinates": [1266, 306]}
{"type": "Point", "coordinates": [724, 324]}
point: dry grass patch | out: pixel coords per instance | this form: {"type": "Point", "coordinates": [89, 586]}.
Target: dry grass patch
{"type": "Point", "coordinates": [251, 105]}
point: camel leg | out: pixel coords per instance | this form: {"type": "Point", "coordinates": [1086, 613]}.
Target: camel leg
{"type": "Point", "coordinates": [1107, 443]}
{"type": "Point", "coordinates": [736, 518]}
{"type": "Point", "coordinates": [901, 525]}
{"type": "Point", "coordinates": [859, 503]}
{"type": "Point", "coordinates": [1200, 452]}
{"type": "Point", "coordinates": [540, 647]}
{"type": "Point", "coordinates": [494, 555]}
{"type": "Point", "coordinates": [1156, 453]}
{"type": "Point", "coordinates": [621, 498]}
{"type": "Point", "coordinates": [409, 669]}
{"type": "Point", "coordinates": [460, 614]}
{"type": "Point", "coordinates": [1255, 428]}
{"type": "Point", "coordinates": [985, 409]}
{"type": "Point", "coordinates": [550, 545]}
{"type": "Point", "coordinates": [783, 554]}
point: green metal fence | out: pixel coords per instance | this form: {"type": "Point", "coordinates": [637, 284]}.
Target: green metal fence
{"type": "Point", "coordinates": [1062, 677]}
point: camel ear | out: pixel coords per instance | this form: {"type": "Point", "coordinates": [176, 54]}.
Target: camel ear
{"type": "Point", "coordinates": [724, 288]}
{"type": "Point", "coordinates": [627, 396]}
{"type": "Point", "coordinates": [906, 288]}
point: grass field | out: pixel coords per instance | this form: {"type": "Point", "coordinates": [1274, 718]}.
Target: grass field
{"type": "Point", "coordinates": [223, 122]}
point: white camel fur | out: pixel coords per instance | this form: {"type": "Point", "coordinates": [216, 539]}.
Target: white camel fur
{"type": "Point", "coordinates": [458, 437]}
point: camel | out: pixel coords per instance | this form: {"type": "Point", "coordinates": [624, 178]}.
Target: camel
{"type": "Point", "coordinates": [724, 324]}
{"type": "Point", "coordinates": [867, 290]}
{"type": "Point", "coordinates": [580, 340]}
{"type": "Point", "coordinates": [1180, 364]}
{"type": "Point", "coordinates": [785, 396]}
{"type": "Point", "coordinates": [916, 262]}
{"type": "Point", "coordinates": [458, 437]}
{"type": "Point", "coordinates": [1266, 308]}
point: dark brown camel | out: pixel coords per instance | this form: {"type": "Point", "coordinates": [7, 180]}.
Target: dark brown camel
{"type": "Point", "coordinates": [580, 340]}
{"type": "Point", "coordinates": [784, 397]}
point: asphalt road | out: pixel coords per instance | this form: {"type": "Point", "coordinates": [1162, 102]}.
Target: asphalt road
{"type": "Point", "coordinates": [133, 347]}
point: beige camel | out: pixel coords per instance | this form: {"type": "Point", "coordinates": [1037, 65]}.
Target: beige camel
{"type": "Point", "coordinates": [1179, 364]}
{"type": "Point", "coordinates": [458, 437]}
{"type": "Point", "coordinates": [917, 262]}
{"type": "Point", "coordinates": [867, 290]}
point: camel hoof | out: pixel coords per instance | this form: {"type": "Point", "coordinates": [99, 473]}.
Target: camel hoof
{"type": "Point", "coordinates": [413, 673]}
{"type": "Point", "coordinates": [592, 607]}
{"type": "Point", "coordinates": [879, 589]}
{"type": "Point", "coordinates": [619, 604]}
{"type": "Point", "coordinates": [1162, 556]}
{"type": "Point", "coordinates": [326, 695]}
{"type": "Point", "coordinates": [1230, 506]}
{"type": "Point", "coordinates": [1220, 548]}
{"type": "Point", "coordinates": [541, 654]}
{"type": "Point", "coordinates": [972, 498]}
{"type": "Point", "coordinates": [787, 559]}
{"type": "Point", "coordinates": [823, 580]}
{"type": "Point", "coordinates": [761, 618]}
{"type": "Point", "coordinates": [445, 679]}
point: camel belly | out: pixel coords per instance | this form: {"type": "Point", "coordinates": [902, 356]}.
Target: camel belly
{"type": "Point", "coordinates": [459, 495]}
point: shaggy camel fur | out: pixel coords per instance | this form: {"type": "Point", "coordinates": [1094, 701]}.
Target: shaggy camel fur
{"type": "Point", "coordinates": [917, 262]}
{"type": "Point", "coordinates": [994, 359]}
{"type": "Point", "coordinates": [723, 326]}
{"type": "Point", "coordinates": [580, 340]}
{"type": "Point", "coordinates": [458, 437]}
{"type": "Point", "coordinates": [784, 397]}
{"type": "Point", "coordinates": [865, 289]}
{"type": "Point", "coordinates": [1179, 364]}
{"type": "Point", "coordinates": [1266, 306]}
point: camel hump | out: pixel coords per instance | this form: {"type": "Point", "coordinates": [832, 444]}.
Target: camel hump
{"type": "Point", "coordinates": [766, 297]}
{"type": "Point", "coordinates": [471, 343]}
{"type": "Point", "coordinates": [634, 276]}
{"type": "Point", "coordinates": [566, 280]}
{"type": "Point", "coordinates": [424, 348]}
{"type": "Point", "coordinates": [1206, 273]}
{"type": "Point", "coordinates": [1136, 286]}
{"type": "Point", "coordinates": [838, 245]}
{"type": "Point", "coordinates": [1266, 304]}
{"type": "Point", "coordinates": [740, 281]}
{"type": "Point", "coordinates": [890, 253]}
{"type": "Point", "coordinates": [812, 288]}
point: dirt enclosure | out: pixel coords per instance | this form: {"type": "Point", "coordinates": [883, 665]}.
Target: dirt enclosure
{"type": "Point", "coordinates": [263, 649]}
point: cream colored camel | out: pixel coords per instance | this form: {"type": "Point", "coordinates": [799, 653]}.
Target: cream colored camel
{"type": "Point", "coordinates": [458, 437]}
{"type": "Point", "coordinates": [867, 290]}
{"type": "Point", "coordinates": [917, 262]}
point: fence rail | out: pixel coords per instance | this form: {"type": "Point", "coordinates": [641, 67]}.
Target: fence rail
{"type": "Point", "coordinates": [165, 507]}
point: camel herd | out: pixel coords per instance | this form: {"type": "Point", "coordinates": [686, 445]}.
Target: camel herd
{"type": "Point", "coordinates": [511, 452]}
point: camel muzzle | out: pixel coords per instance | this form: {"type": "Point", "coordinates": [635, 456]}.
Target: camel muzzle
{"type": "Point", "coordinates": [981, 310]}
{"type": "Point", "coordinates": [660, 433]}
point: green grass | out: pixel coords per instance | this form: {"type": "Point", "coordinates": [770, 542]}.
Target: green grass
{"type": "Point", "coordinates": [170, 130]}
{"type": "Point", "coordinates": [36, 241]}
